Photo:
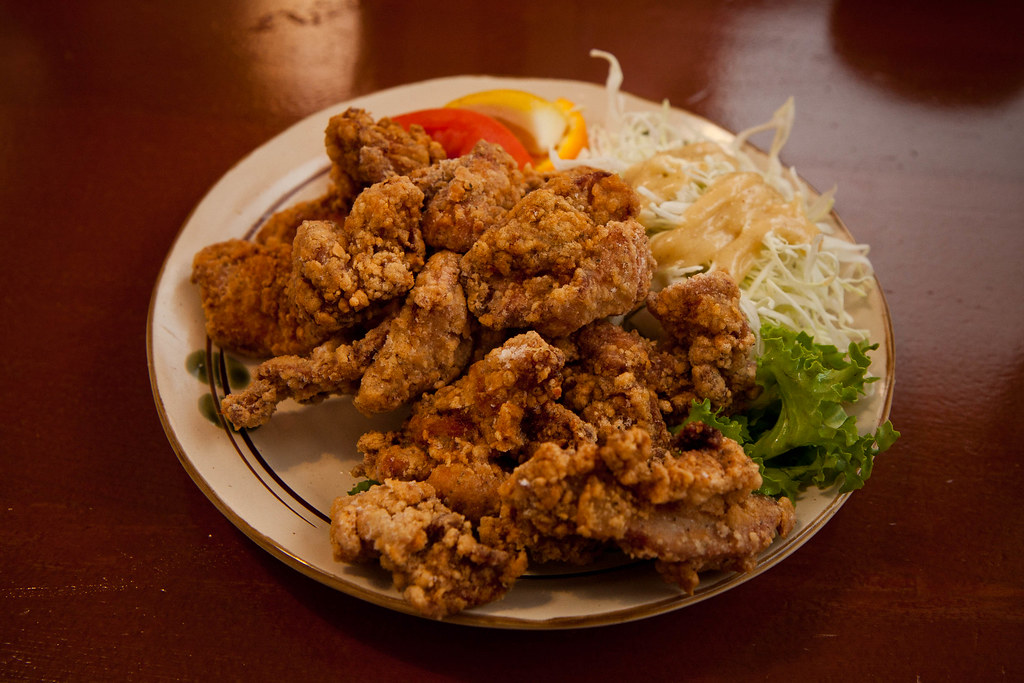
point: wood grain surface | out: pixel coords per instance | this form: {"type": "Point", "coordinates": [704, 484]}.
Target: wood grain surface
{"type": "Point", "coordinates": [116, 118]}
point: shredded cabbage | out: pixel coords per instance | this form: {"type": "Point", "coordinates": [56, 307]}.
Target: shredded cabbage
{"type": "Point", "coordinates": [803, 286]}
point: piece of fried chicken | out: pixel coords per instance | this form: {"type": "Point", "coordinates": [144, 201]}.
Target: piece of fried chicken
{"type": "Point", "coordinates": [339, 271]}
{"type": "Point", "coordinates": [330, 369]}
{"type": "Point", "coordinates": [608, 381]}
{"type": "Point", "coordinates": [566, 254]}
{"type": "Point", "coordinates": [708, 348]}
{"type": "Point", "coordinates": [246, 309]}
{"type": "Point", "coordinates": [364, 151]}
{"type": "Point", "coordinates": [436, 562]}
{"type": "Point", "coordinates": [456, 437]}
{"type": "Point", "coordinates": [280, 228]}
{"type": "Point", "coordinates": [428, 344]}
{"type": "Point", "coordinates": [424, 346]}
{"type": "Point", "coordinates": [467, 195]}
{"type": "Point", "coordinates": [691, 507]}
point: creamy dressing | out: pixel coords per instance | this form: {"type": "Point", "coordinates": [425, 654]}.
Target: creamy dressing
{"type": "Point", "coordinates": [670, 174]}
{"type": "Point", "coordinates": [725, 227]}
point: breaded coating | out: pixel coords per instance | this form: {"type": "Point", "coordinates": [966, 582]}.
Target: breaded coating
{"type": "Point", "coordinates": [486, 407]}
{"type": "Point", "coordinates": [469, 488]}
{"type": "Point", "coordinates": [364, 152]}
{"type": "Point", "coordinates": [480, 418]}
{"type": "Point", "coordinates": [550, 266]}
{"type": "Point", "coordinates": [717, 537]}
{"type": "Point", "coordinates": [608, 384]}
{"type": "Point", "coordinates": [280, 227]}
{"type": "Point", "coordinates": [467, 195]}
{"type": "Point", "coordinates": [709, 343]}
{"type": "Point", "coordinates": [331, 368]}
{"type": "Point", "coordinates": [243, 289]}
{"type": "Point", "coordinates": [435, 560]}
{"type": "Point", "coordinates": [603, 196]}
{"type": "Point", "coordinates": [340, 270]}
{"type": "Point", "coordinates": [429, 342]}
{"type": "Point", "coordinates": [647, 503]}
{"type": "Point", "coordinates": [552, 422]}
{"type": "Point", "coordinates": [424, 346]}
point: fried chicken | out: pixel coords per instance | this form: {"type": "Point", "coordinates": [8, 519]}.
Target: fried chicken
{"type": "Point", "coordinates": [723, 537]}
{"type": "Point", "coordinates": [467, 195]}
{"type": "Point", "coordinates": [340, 270]}
{"type": "Point", "coordinates": [435, 560]}
{"type": "Point", "coordinates": [281, 227]}
{"type": "Point", "coordinates": [264, 299]}
{"type": "Point", "coordinates": [480, 295]}
{"type": "Point", "coordinates": [609, 381]}
{"type": "Point", "coordinates": [566, 254]}
{"type": "Point", "coordinates": [243, 289]}
{"type": "Point", "coordinates": [477, 420]}
{"type": "Point", "coordinates": [428, 343]}
{"type": "Point", "coordinates": [424, 346]}
{"type": "Point", "coordinates": [364, 152]}
{"type": "Point", "coordinates": [331, 368]}
{"type": "Point", "coordinates": [708, 351]}
{"type": "Point", "coordinates": [691, 508]}
{"type": "Point", "coordinates": [480, 415]}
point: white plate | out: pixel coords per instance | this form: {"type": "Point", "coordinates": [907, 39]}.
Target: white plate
{"type": "Point", "coordinates": [277, 483]}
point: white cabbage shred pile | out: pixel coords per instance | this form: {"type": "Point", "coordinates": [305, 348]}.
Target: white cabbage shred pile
{"type": "Point", "coordinates": [803, 286]}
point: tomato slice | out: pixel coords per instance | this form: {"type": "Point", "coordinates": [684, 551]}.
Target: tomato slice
{"type": "Point", "coordinates": [458, 130]}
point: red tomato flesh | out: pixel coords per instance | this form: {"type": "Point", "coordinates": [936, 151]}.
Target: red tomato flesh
{"type": "Point", "coordinates": [458, 130]}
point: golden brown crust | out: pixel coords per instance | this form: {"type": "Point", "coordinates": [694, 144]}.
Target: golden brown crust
{"type": "Point", "coordinates": [467, 195]}
{"type": "Point", "coordinates": [338, 271]}
{"type": "Point", "coordinates": [689, 510]}
{"type": "Point", "coordinates": [242, 285]}
{"type": "Point", "coordinates": [364, 151]}
{"type": "Point", "coordinates": [708, 351]}
{"type": "Point", "coordinates": [555, 263]}
{"type": "Point", "coordinates": [480, 294]}
{"type": "Point", "coordinates": [435, 560]}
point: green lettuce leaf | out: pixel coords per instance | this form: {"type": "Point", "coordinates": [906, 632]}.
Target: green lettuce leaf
{"type": "Point", "coordinates": [798, 430]}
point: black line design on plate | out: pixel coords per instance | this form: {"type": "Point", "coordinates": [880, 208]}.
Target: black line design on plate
{"type": "Point", "coordinates": [221, 370]}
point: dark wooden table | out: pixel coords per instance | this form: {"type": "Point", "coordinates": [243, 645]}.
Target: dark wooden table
{"type": "Point", "coordinates": [116, 118]}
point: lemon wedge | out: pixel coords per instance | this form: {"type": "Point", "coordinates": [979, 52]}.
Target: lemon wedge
{"type": "Point", "coordinates": [540, 124]}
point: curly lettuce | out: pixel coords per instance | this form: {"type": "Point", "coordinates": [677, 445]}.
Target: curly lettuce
{"type": "Point", "coordinates": [798, 430]}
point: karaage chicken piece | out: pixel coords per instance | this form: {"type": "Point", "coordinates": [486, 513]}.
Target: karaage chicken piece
{"type": "Point", "coordinates": [331, 368]}
{"type": "Point", "coordinates": [424, 346]}
{"type": "Point", "coordinates": [243, 289]}
{"type": "Point", "coordinates": [467, 195]}
{"type": "Point", "coordinates": [716, 537]}
{"type": "Point", "coordinates": [480, 418]}
{"type": "Point", "coordinates": [364, 152]}
{"type": "Point", "coordinates": [481, 414]}
{"type": "Point", "coordinates": [553, 266]}
{"type": "Point", "coordinates": [281, 227]}
{"type": "Point", "coordinates": [340, 270]}
{"type": "Point", "coordinates": [608, 382]}
{"type": "Point", "coordinates": [428, 344]}
{"type": "Point", "coordinates": [648, 503]}
{"type": "Point", "coordinates": [437, 563]}
{"type": "Point", "coordinates": [603, 196]}
{"type": "Point", "coordinates": [708, 350]}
